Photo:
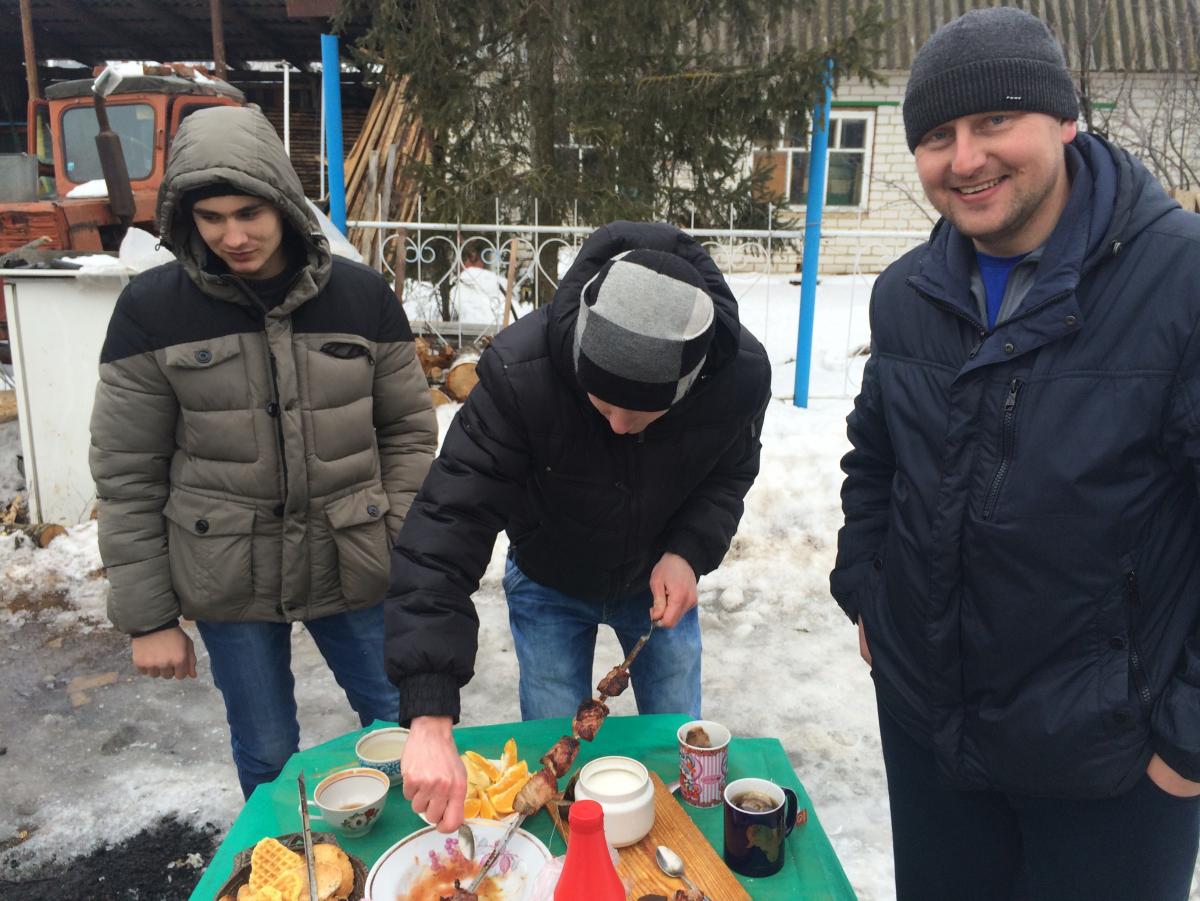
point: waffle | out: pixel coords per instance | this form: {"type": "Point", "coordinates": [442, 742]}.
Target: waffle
{"type": "Point", "coordinates": [289, 883]}
{"type": "Point", "coordinates": [269, 861]}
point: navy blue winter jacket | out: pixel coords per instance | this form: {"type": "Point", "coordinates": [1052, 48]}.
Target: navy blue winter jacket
{"type": "Point", "coordinates": [1022, 534]}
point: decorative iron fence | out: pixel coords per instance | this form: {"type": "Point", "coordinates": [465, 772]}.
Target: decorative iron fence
{"type": "Point", "coordinates": [463, 282]}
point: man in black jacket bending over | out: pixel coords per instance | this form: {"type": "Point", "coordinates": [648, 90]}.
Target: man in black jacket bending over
{"type": "Point", "coordinates": [613, 434]}
{"type": "Point", "coordinates": [1021, 550]}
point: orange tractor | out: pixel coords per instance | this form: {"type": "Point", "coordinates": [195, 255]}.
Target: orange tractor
{"type": "Point", "coordinates": [97, 150]}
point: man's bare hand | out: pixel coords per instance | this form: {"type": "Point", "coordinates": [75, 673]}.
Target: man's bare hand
{"type": "Point", "coordinates": [863, 649]}
{"type": "Point", "coordinates": [166, 654]}
{"type": "Point", "coordinates": [673, 585]}
{"type": "Point", "coordinates": [1168, 780]}
{"type": "Point", "coordinates": [435, 780]}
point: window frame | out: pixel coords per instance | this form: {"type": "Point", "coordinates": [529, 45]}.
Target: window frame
{"type": "Point", "coordinates": [131, 104]}
{"type": "Point", "coordinates": [866, 114]}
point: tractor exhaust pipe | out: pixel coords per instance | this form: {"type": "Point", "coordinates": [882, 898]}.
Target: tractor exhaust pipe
{"type": "Point", "coordinates": [112, 158]}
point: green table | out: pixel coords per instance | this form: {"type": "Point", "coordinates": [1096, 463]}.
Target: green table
{"type": "Point", "coordinates": [812, 871]}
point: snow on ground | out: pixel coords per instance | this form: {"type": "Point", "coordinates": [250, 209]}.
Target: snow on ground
{"type": "Point", "coordinates": [780, 659]}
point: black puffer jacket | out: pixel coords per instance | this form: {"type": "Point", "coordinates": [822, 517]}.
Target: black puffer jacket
{"type": "Point", "coordinates": [1022, 534]}
{"type": "Point", "coordinates": [588, 512]}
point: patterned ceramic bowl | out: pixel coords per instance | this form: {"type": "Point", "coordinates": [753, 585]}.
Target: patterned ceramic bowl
{"type": "Point", "coordinates": [381, 750]}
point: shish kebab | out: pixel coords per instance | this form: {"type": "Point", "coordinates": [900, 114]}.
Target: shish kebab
{"type": "Point", "coordinates": [543, 785]}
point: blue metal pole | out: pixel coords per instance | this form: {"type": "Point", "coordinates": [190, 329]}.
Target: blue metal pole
{"type": "Point", "coordinates": [331, 72]}
{"type": "Point", "coordinates": [817, 159]}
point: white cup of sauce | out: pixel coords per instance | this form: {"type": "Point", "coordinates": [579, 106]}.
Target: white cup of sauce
{"type": "Point", "coordinates": [623, 788]}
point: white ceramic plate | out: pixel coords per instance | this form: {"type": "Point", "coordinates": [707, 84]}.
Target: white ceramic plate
{"type": "Point", "coordinates": [410, 861]}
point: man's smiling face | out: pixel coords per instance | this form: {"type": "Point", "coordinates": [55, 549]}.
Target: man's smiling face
{"type": "Point", "coordinates": [1000, 177]}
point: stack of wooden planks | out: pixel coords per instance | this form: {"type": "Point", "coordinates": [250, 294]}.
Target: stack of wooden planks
{"type": "Point", "coordinates": [377, 185]}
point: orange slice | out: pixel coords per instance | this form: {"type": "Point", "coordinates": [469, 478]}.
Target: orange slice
{"type": "Point", "coordinates": [508, 759]}
{"type": "Point", "coordinates": [486, 810]}
{"type": "Point", "coordinates": [476, 777]}
{"type": "Point", "coordinates": [517, 773]}
{"type": "Point", "coordinates": [485, 766]}
{"type": "Point", "coordinates": [503, 799]}
{"type": "Point", "coordinates": [471, 808]}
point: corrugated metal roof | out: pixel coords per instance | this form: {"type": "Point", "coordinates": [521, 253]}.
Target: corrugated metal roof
{"type": "Point", "coordinates": [1112, 35]}
{"type": "Point", "coordinates": [90, 31]}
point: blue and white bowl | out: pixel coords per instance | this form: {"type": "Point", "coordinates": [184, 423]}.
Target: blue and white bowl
{"type": "Point", "coordinates": [381, 750]}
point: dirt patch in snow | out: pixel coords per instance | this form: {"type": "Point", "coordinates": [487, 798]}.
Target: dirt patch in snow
{"type": "Point", "coordinates": [162, 863]}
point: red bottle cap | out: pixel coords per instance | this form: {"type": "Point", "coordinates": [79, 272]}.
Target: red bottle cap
{"type": "Point", "coordinates": [586, 817]}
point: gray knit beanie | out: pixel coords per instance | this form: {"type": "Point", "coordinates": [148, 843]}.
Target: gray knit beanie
{"type": "Point", "coordinates": [999, 58]}
{"type": "Point", "coordinates": [644, 330]}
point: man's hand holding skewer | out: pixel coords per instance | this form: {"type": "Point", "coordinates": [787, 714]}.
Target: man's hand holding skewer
{"type": "Point", "coordinates": [673, 585]}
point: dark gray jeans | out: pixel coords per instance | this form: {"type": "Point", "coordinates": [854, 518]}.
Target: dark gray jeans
{"type": "Point", "coordinates": [993, 846]}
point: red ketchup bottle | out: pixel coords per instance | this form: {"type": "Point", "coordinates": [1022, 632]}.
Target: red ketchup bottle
{"type": "Point", "coordinates": [588, 873]}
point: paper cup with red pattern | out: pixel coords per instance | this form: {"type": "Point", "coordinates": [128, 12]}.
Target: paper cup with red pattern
{"type": "Point", "coordinates": [703, 765]}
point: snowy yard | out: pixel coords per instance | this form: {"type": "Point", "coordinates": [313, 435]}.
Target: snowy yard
{"type": "Point", "coordinates": [780, 658]}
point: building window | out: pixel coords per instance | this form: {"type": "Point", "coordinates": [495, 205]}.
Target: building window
{"type": "Point", "coordinates": [848, 168]}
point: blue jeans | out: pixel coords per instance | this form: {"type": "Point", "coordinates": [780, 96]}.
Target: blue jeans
{"type": "Point", "coordinates": [252, 666]}
{"type": "Point", "coordinates": [996, 846]}
{"type": "Point", "coordinates": [555, 639]}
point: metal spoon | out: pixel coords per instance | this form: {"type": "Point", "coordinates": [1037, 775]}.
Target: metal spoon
{"type": "Point", "coordinates": [672, 864]}
{"type": "Point", "coordinates": [466, 841]}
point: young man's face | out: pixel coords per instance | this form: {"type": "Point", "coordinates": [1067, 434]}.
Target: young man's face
{"type": "Point", "coordinates": [1000, 178]}
{"type": "Point", "coordinates": [245, 232]}
{"type": "Point", "coordinates": [625, 422]}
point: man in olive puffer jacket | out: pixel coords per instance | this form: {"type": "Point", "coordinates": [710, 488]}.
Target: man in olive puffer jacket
{"type": "Point", "coordinates": [260, 428]}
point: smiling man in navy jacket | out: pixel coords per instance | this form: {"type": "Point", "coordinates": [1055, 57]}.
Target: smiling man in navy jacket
{"type": "Point", "coordinates": [1021, 549]}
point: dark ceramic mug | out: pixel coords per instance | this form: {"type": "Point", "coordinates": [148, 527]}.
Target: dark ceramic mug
{"type": "Point", "coordinates": [759, 815]}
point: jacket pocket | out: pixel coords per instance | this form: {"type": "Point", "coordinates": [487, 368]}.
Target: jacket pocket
{"type": "Point", "coordinates": [341, 369]}
{"type": "Point", "coordinates": [209, 375]}
{"type": "Point", "coordinates": [210, 549]}
{"type": "Point", "coordinates": [1139, 684]}
{"type": "Point", "coordinates": [359, 532]}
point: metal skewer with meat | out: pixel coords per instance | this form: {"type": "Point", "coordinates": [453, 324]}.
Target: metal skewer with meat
{"type": "Point", "coordinates": [541, 788]}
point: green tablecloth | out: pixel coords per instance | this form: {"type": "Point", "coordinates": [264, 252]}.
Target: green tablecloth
{"type": "Point", "coordinates": [812, 871]}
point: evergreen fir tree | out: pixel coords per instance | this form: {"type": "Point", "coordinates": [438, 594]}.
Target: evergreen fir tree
{"type": "Point", "coordinates": [637, 109]}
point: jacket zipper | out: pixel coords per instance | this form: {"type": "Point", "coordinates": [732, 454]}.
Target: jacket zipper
{"type": "Point", "coordinates": [631, 534]}
{"type": "Point", "coordinates": [1007, 442]}
{"type": "Point", "coordinates": [1136, 670]}
{"type": "Point", "coordinates": [279, 424]}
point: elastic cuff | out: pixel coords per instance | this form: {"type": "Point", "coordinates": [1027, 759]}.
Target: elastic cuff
{"type": "Point", "coordinates": [428, 694]}
{"type": "Point", "coordinates": [681, 544]}
{"type": "Point", "coordinates": [171, 625]}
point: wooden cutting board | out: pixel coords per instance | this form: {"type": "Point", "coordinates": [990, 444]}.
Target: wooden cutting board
{"type": "Point", "coordinates": [675, 829]}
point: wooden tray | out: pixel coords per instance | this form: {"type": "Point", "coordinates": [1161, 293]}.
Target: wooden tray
{"type": "Point", "coordinates": [675, 829]}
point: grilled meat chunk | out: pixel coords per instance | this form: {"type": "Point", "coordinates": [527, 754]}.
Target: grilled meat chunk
{"type": "Point", "coordinates": [686, 894]}
{"type": "Point", "coordinates": [460, 894]}
{"type": "Point", "coordinates": [560, 757]}
{"type": "Point", "coordinates": [536, 793]}
{"type": "Point", "coordinates": [588, 719]}
{"type": "Point", "coordinates": [614, 683]}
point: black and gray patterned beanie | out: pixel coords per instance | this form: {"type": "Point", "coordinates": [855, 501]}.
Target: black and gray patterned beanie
{"type": "Point", "coordinates": [644, 329]}
{"type": "Point", "coordinates": [999, 58]}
